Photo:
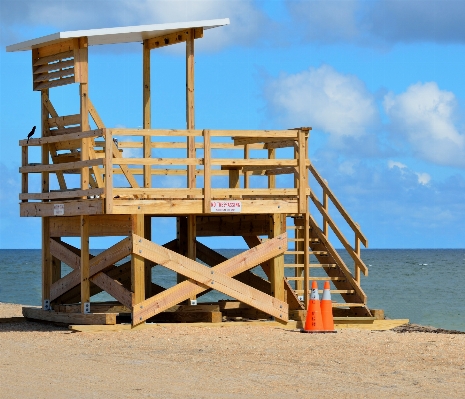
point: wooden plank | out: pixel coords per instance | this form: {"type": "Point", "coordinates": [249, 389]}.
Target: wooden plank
{"type": "Point", "coordinates": [181, 36]}
{"type": "Point", "coordinates": [158, 161]}
{"type": "Point", "coordinates": [43, 209]}
{"type": "Point", "coordinates": [84, 264]}
{"type": "Point", "coordinates": [207, 171]}
{"type": "Point", "coordinates": [53, 67]}
{"type": "Point", "coordinates": [306, 260]}
{"type": "Point", "coordinates": [114, 288]}
{"type": "Point", "coordinates": [232, 225]}
{"type": "Point", "coordinates": [62, 121]}
{"type": "Point", "coordinates": [99, 226]}
{"type": "Point", "coordinates": [53, 57]}
{"type": "Point", "coordinates": [280, 144]}
{"type": "Point", "coordinates": [269, 135]}
{"type": "Point", "coordinates": [61, 49]}
{"type": "Point", "coordinates": [46, 77]}
{"type": "Point", "coordinates": [186, 206]}
{"type": "Point", "coordinates": [108, 171]}
{"type": "Point", "coordinates": [137, 262]}
{"type": "Point", "coordinates": [63, 138]}
{"type": "Point", "coordinates": [61, 166]}
{"type": "Point", "coordinates": [46, 262]}
{"type": "Point", "coordinates": [227, 269]}
{"type": "Point", "coordinates": [65, 130]}
{"type": "Point", "coordinates": [24, 176]}
{"type": "Point", "coordinates": [338, 205]}
{"type": "Point", "coordinates": [190, 106]}
{"type": "Point", "coordinates": [59, 194]}
{"type": "Point", "coordinates": [303, 178]}
{"type": "Point", "coordinates": [146, 112]}
{"type": "Point", "coordinates": [53, 83]}
{"type": "Point", "coordinates": [70, 318]}
{"type": "Point", "coordinates": [94, 114]}
{"type": "Point", "coordinates": [97, 172]}
{"type": "Point", "coordinates": [255, 162]}
{"type": "Point", "coordinates": [215, 192]}
{"type": "Point", "coordinates": [277, 227]}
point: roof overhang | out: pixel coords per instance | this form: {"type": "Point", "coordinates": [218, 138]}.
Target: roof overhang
{"type": "Point", "coordinates": [126, 34]}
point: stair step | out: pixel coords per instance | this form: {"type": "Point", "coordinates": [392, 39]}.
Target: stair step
{"type": "Point", "coordinates": [302, 252]}
{"type": "Point", "coordinates": [332, 291]}
{"type": "Point", "coordinates": [348, 305]}
{"type": "Point", "coordinates": [314, 265]}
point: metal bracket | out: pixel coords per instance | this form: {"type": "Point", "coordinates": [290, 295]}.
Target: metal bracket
{"type": "Point", "coordinates": [87, 307]}
{"type": "Point", "coordinates": [193, 302]}
{"type": "Point", "coordinates": [46, 305]}
{"type": "Point", "coordinates": [300, 298]}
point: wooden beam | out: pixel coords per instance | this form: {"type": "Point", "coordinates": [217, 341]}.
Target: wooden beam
{"type": "Point", "coordinates": [84, 266]}
{"type": "Point", "coordinates": [43, 209]}
{"type": "Point", "coordinates": [137, 262]}
{"type": "Point", "coordinates": [200, 278]}
{"type": "Point", "coordinates": [71, 137]}
{"type": "Point", "coordinates": [70, 318]}
{"type": "Point", "coordinates": [146, 111]}
{"type": "Point", "coordinates": [303, 178]}
{"type": "Point", "coordinates": [277, 227]}
{"type": "Point", "coordinates": [207, 172]}
{"type": "Point", "coordinates": [174, 38]}
{"type": "Point", "coordinates": [232, 225]}
{"type": "Point", "coordinates": [190, 106]}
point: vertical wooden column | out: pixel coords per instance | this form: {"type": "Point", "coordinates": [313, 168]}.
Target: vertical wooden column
{"type": "Point", "coordinates": [299, 258]}
{"type": "Point", "coordinates": [85, 267]}
{"type": "Point", "coordinates": [137, 263]}
{"type": "Point", "coordinates": [306, 237]}
{"type": "Point", "coordinates": [272, 178]}
{"type": "Point", "coordinates": [325, 206]}
{"type": "Point", "coordinates": [146, 111]}
{"type": "Point", "coordinates": [303, 172]}
{"type": "Point", "coordinates": [207, 181]}
{"type": "Point", "coordinates": [190, 125]}
{"type": "Point", "coordinates": [84, 97]}
{"type": "Point", "coordinates": [147, 149]}
{"type": "Point", "coordinates": [108, 171]}
{"type": "Point", "coordinates": [277, 227]}
{"type": "Point", "coordinates": [246, 174]}
{"type": "Point", "coordinates": [47, 267]}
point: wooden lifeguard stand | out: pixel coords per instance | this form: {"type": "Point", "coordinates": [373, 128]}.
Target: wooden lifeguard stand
{"type": "Point", "coordinates": [118, 195]}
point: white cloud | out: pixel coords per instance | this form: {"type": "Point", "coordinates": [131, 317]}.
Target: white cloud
{"type": "Point", "coordinates": [423, 178]}
{"type": "Point", "coordinates": [392, 164]}
{"type": "Point", "coordinates": [325, 99]}
{"type": "Point", "coordinates": [425, 115]}
{"type": "Point", "coordinates": [248, 23]}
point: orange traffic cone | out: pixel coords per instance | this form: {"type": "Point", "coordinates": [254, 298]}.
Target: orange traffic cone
{"type": "Point", "coordinates": [313, 321]}
{"type": "Point", "coordinates": [327, 309]}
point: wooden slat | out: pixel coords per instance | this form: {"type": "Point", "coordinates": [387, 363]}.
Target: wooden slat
{"type": "Point", "coordinates": [222, 274]}
{"type": "Point", "coordinates": [61, 121]}
{"type": "Point", "coordinates": [62, 138]}
{"type": "Point", "coordinates": [46, 77]}
{"type": "Point", "coordinates": [60, 166]}
{"type": "Point", "coordinates": [54, 83]}
{"type": "Point", "coordinates": [59, 195]}
{"type": "Point", "coordinates": [338, 205]}
{"type": "Point", "coordinates": [75, 207]}
{"type": "Point", "coordinates": [243, 134]}
{"type": "Point", "coordinates": [53, 67]}
{"type": "Point", "coordinates": [53, 58]}
{"type": "Point", "coordinates": [303, 178]}
{"type": "Point", "coordinates": [158, 161]}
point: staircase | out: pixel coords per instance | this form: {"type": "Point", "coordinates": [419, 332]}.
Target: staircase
{"type": "Point", "coordinates": [324, 263]}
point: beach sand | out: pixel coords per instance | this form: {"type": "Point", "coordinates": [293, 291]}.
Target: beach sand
{"type": "Point", "coordinates": [176, 361]}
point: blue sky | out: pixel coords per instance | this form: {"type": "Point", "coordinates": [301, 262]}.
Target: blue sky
{"type": "Point", "coordinates": [380, 82]}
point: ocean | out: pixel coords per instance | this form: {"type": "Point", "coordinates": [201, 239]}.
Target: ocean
{"type": "Point", "coordinates": [423, 285]}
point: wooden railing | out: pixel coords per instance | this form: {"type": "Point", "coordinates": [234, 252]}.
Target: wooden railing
{"type": "Point", "coordinates": [322, 207]}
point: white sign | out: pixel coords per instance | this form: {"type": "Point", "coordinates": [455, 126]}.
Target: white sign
{"type": "Point", "coordinates": [59, 209]}
{"type": "Point", "coordinates": [226, 206]}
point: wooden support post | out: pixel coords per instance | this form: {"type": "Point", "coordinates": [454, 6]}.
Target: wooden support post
{"type": "Point", "coordinates": [108, 171]}
{"type": "Point", "coordinates": [234, 180]}
{"type": "Point", "coordinates": [147, 263]}
{"type": "Point", "coordinates": [207, 171]}
{"type": "Point", "coordinates": [357, 251]}
{"type": "Point", "coordinates": [299, 258]}
{"type": "Point", "coordinates": [277, 227]}
{"type": "Point", "coordinates": [56, 266]}
{"type": "Point", "coordinates": [303, 173]}
{"type": "Point", "coordinates": [84, 96]}
{"type": "Point", "coordinates": [146, 110]}
{"type": "Point", "coordinates": [137, 263]}
{"type": "Point", "coordinates": [85, 265]}
{"type": "Point", "coordinates": [246, 173]}
{"type": "Point", "coordinates": [190, 115]}
{"type": "Point", "coordinates": [306, 237]}
{"type": "Point", "coordinates": [272, 178]}
{"type": "Point", "coordinates": [24, 176]}
{"type": "Point", "coordinates": [47, 274]}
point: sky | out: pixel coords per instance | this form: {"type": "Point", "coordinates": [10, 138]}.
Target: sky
{"type": "Point", "coordinates": [380, 82]}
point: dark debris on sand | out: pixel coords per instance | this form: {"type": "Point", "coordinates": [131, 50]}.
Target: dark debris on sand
{"type": "Point", "coordinates": [408, 328]}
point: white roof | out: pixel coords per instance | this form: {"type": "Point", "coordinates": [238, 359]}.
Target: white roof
{"type": "Point", "coordinates": [126, 34]}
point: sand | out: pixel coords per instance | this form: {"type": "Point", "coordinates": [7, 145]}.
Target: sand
{"type": "Point", "coordinates": [45, 361]}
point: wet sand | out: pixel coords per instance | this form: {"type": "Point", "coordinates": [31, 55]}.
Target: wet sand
{"type": "Point", "coordinates": [40, 360]}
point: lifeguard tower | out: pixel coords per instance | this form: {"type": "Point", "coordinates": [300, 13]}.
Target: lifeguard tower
{"type": "Point", "coordinates": [100, 190]}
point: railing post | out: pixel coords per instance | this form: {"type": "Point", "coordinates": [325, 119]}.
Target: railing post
{"type": "Point", "coordinates": [303, 180]}
{"type": "Point", "coordinates": [108, 170]}
{"type": "Point", "coordinates": [24, 176]}
{"type": "Point", "coordinates": [206, 171]}
{"type": "Point", "coordinates": [357, 251]}
{"type": "Point", "coordinates": [325, 206]}
{"type": "Point", "coordinates": [246, 173]}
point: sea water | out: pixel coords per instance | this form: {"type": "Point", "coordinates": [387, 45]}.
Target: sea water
{"type": "Point", "coordinates": [423, 285]}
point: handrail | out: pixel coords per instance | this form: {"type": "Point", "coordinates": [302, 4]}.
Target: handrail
{"type": "Point", "coordinates": [338, 205]}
